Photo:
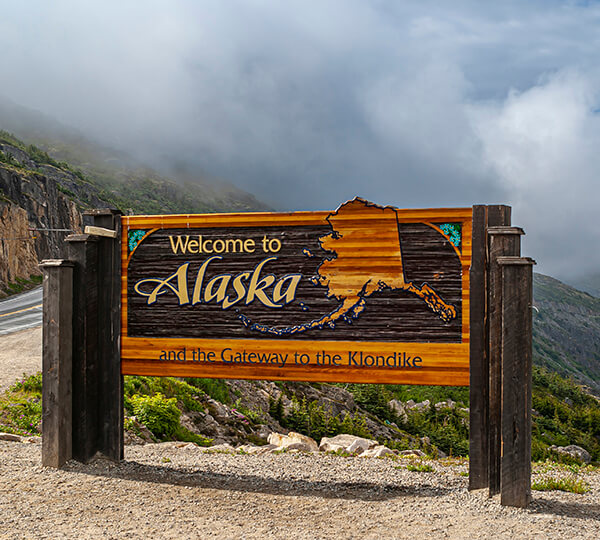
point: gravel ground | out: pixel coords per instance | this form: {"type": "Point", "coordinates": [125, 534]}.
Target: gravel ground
{"type": "Point", "coordinates": [20, 353]}
{"type": "Point", "coordinates": [171, 490]}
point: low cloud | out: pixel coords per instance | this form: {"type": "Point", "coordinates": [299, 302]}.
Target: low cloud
{"type": "Point", "coordinates": [309, 104]}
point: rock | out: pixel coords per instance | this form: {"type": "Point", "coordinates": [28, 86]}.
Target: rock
{"type": "Point", "coordinates": [249, 449]}
{"type": "Point", "coordinates": [345, 442]}
{"type": "Point", "coordinates": [330, 447]}
{"type": "Point", "coordinates": [448, 404]}
{"type": "Point", "coordinates": [378, 451]}
{"type": "Point", "coordinates": [398, 409]}
{"type": "Point", "coordinates": [284, 441]}
{"type": "Point", "coordinates": [413, 452]}
{"type": "Point", "coordinates": [263, 431]}
{"type": "Point", "coordinates": [224, 447]}
{"type": "Point", "coordinates": [10, 437]}
{"type": "Point", "coordinates": [300, 447]}
{"type": "Point", "coordinates": [359, 446]}
{"type": "Point", "coordinates": [574, 451]}
{"type": "Point", "coordinates": [267, 449]}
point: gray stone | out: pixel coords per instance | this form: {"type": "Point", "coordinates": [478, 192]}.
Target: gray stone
{"type": "Point", "coordinates": [378, 451]}
{"type": "Point", "coordinates": [345, 441]}
{"type": "Point", "coordinates": [580, 454]}
{"type": "Point", "coordinates": [10, 437]}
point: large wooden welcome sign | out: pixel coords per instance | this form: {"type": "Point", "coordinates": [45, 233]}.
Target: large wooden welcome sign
{"type": "Point", "coordinates": [362, 294]}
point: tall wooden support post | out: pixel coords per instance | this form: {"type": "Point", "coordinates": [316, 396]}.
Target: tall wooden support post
{"type": "Point", "coordinates": [502, 241]}
{"type": "Point", "coordinates": [110, 390]}
{"type": "Point", "coordinates": [83, 251]}
{"type": "Point", "coordinates": [516, 343]}
{"type": "Point", "coordinates": [483, 218]}
{"type": "Point", "coordinates": [56, 362]}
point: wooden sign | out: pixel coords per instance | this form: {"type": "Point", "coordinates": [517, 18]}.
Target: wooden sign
{"type": "Point", "coordinates": [362, 294]}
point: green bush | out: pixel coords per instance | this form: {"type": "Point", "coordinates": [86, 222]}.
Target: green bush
{"type": "Point", "coordinates": [158, 413]}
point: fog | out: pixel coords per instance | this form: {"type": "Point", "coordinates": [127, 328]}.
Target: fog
{"type": "Point", "coordinates": [307, 104]}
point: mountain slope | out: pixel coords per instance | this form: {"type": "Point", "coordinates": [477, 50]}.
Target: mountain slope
{"type": "Point", "coordinates": [127, 184]}
{"type": "Point", "coordinates": [566, 331]}
{"type": "Point", "coordinates": [589, 283]}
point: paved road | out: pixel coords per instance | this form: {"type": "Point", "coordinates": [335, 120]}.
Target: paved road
{"type": "Point", "coordinates": [21, 312]}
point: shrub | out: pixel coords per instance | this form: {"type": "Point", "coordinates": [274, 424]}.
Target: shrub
{"type": "Point", "coordinates": [158, 413]}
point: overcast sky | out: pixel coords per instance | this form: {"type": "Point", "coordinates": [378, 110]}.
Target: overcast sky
{"type": "Point", "coordinates": [309, 103]}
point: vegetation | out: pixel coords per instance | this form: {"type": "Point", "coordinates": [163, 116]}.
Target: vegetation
{"type": "Point", "coordinates": [313, 420]}
{"type": "Point", "coordinates": [419, 467]}
{"type": "Point", "coordinates": [569, 483]}
{"type": "Point", "coordinates": [21, 407]}
{"type": "Point", "coordinates": [20, 285]}
{"type": "Point", "coordinates": [563, 414]}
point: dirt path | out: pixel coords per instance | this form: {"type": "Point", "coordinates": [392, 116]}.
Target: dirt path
{"type": "Point", "coordinates": [20, 353]}
{"type": "Point", "coordinates": [174, 491]}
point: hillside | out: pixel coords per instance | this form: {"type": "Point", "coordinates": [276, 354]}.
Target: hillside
{"type": "Point", "coordinates": [120, 179]}
{"type": "Point", "coordinates": [566, 331]}
{"type": "Point", "coordinates": [589, 283]}
{"type": "Point", "coordinates": [41, 199]}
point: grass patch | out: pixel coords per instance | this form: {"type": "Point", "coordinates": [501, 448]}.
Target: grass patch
{"type": "Point", "coordinates": [20, 285]}
{"type": "Point", "coordinates": [417, 467]}
{"type": "Point", "coordinates": [21, 407]}
{"type": "Point", "coordinates": [569, 483]}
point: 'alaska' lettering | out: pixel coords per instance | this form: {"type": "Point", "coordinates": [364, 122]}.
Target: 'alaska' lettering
{"type": "Point", "coordinates": [225, 290]}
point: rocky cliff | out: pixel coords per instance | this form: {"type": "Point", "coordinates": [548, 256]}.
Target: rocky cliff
{"type": "Point", "coordinates": [35, 213]}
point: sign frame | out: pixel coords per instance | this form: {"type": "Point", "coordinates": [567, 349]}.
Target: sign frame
{"type": "Point", "coordinates": [441, 363]}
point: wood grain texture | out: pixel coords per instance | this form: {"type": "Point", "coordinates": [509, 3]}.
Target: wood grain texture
{"type": "Point", "coordinates": [517, 298]}
{"type": "Point", "coordinates": [391, 273]}
{"type": "Point", "coordinates": [57, 405]}
{"type": "Point", "coordinates": [83, 252]}
{"type": "Point", "coordinates": [502, 241]}
{"type": "Point", "coordinates": [478, 374]}
{"type": "Point", "coordinates": [109, 315]}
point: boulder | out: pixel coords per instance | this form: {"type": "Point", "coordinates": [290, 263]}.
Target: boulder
{"type": "Point", "coordinates": [574, 451]}
{"type": "Point", "coordinates": [345, 442]}
{"type": "Point", "coordinates": [359, 446]}
{"type": "Point", "coordinates": [300, 442]}
{"type": "Point", "coordinates": [397, 407]}
{"type": "Point", "coordinates": [10, 437]}
{"type": "Point", "coordinates": [378, 451]}
{"type": "Point", "coordinates": [448, 404]}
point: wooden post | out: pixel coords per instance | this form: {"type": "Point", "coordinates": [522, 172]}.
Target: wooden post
{"type": "Point", "coordinates": [502, 241]}
{"type": "Point", "coordinates": [517, 299]}
{"type": "Point", "coordinates": [109, 329]}
{"type": "Point", "coordinates": [56, 362]}
{"type": "Point", "coordinates": [83, 251]}
{"type": "Point", "coordinates": [483, 217]}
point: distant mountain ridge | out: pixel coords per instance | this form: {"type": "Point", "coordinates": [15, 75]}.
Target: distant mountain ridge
{"type": "Point", "coordinates": [566, 331]}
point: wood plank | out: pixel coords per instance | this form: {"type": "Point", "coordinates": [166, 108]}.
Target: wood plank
{"type": "Point", "coordinates": [280, 218]}
{"type": "Point", "coordinates": [57, 408]}
{"type": "Point", "coordinates": [441, 364]}
{"type": "Point", "coordinates": [478, 381]}
{"type": "Point", "coordinates": [502, 241]}
{"type": "Point", "coordinates": [433, 376]}
{"type": "Point", "coordinates": [83, 251]}
{"type": "Point", "coordinates": [517, 299]}
{"type": "Point", "coordinates": [371, 247]}
{"type": "Point", "coordinates": [109, 316]}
